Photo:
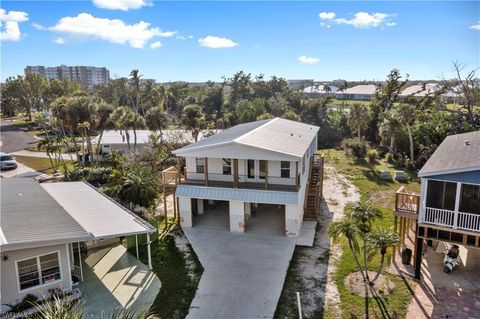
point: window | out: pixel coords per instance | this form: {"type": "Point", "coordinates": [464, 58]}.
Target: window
{"type": "Point", "coordinates": [285, 169]}
{"type": "Point", "coordinates": [470, 199]}
{"type": "Point", "coordinates": [251, 168]}
{"type": "Point", "coordinates": [200, 162]}
{"type": "Point", "coordinates": [262, 168]}
{"type": "Point", "coordinates": [441, 195]}
{"type": "Point", "coordinates": [39, 270]}
{"type": "Point", "coordinates": [227, 166]}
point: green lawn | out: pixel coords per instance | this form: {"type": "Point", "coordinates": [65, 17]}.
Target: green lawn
{"type": "Point", "coordinates": [42, 165]}
{"type": "Point", "coordinates": [178, 283]}
{"type": "Point", "coordinates": [382, 195]}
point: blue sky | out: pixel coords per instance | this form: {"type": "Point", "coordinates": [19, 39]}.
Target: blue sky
{"type": "Point", "coordinates": [349, 40]}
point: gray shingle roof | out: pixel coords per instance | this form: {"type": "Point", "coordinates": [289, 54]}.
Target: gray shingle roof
{"type": "Point", "coordinates": [457, 153]}
{"type": "Point", "coordinates": [30, 215]}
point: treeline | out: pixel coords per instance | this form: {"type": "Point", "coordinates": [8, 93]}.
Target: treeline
{"type": "Point", "coordinates": [409, 127]}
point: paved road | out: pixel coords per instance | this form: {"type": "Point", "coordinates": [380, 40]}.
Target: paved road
{"type": "Point", "coordinates": [243, 273]}
{"type": "Point", "coordinates": [13, 139]}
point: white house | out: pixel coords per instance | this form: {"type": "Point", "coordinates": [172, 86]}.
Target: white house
{"type": "Point", "coordinates": [250, 174]}
{"type": "Point", "coordinates": [116, 140]}
{"type": "Point", "coordinates": [43, 228]}
{"type": "Point", "coordinates": [362, 92]}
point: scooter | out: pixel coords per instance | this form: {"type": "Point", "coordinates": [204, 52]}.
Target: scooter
{"type": "Point", "coordinates": [451, 259]}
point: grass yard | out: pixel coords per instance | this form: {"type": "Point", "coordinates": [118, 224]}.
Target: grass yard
{"type": "Point", "coordinates": [42, 165]}
{"type": "Point", "coordinates": [382, 194]}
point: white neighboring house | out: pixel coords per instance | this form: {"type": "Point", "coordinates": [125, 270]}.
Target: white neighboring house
{"type": "Point", "coordinates": [320, 90]}
{"type": "Point", "coordinates": [42, 230]}
{"type": "Point", "coordinates": [249, 167]}
{"type": "Point", "coordinates": [363, 92]}
{"type": "Point", "coordinates": [115, 140]}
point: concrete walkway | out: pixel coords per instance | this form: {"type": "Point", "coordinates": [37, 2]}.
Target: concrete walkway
{"type": "Point", "coordinates": [243, 273]}
{"type": "Point", "coordinates": [114, 278]}
{"type": "Point", "coordinates": [42, 155]}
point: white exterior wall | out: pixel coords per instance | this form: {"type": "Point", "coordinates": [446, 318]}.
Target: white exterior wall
{"type": "Point", "coordinates": [237, 216]}
{"type": "Point", "coordinates": [293, 222]}
{"type": "Point", "coordinates": [107, 148]}
{"type": "Point", "coordinates": [9, 285]}
{"type": "Point", "coordinates": [185, 209]}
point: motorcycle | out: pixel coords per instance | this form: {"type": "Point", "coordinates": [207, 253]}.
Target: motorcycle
{"type": "Point", "coordinates": [451, 259]}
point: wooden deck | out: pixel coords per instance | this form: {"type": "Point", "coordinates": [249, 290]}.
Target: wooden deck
{"type": "Point", "coordinates": [226, 184]}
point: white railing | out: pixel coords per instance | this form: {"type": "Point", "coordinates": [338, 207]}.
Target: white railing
{"type": "Point", "coordinates": [468, 221]}
{"type": "Point", "coordinates": [438, 216]}
{"type": "Point", "coordinates": [449, 218]}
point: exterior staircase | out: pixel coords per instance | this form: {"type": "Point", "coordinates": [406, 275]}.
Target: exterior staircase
{"type": "Point", "coordinates": [314, 190]}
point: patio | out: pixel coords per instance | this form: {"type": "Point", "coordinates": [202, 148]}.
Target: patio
{"type": "Point", "coordinates": [115, 278]}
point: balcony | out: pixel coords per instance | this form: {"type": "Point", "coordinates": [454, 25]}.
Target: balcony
{"type": "Point", "coordinates": [452, 219]}
{"type": "Point", "coordinates": [407, 203]}
{"type": "Point", "coordinates": [271, 183]}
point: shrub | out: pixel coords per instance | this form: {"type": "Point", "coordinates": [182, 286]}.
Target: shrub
{"type": "Point", "coordinates": [355, 147]}
{"type": "Point", "coordinates": [372, 156]}
{"type": "Point", "coordinates": [390, 158]}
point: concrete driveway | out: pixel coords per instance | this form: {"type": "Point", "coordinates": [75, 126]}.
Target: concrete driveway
{"type": "Point", "coordinates": [20, 171]}
{"type": "Point", "coordinates": [243, 273]}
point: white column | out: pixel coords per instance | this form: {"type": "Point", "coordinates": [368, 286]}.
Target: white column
{"type": "Point", "coordinates": [80, 261]}
{"type": "Point", "coordinates": [457, 205]}
{"type": "Point", "coordinates": [185, 209]}
{"type": "Point", "coordinates": [200, 207]}
{"type": "Point", "coordinates": [237, 216]}
{"type": "Point", "coordinates": [423, 199]}
{"type": "Point", "coordinates": [248, 210]}
{"type": "Point", "coordinates": [136, 244]}
{"type": "Point", "coordinates": [69, 266]}
{"type": "Point", "coordinates": [291, 220]}
{"type": "Point", "coordinates": [149, 252]}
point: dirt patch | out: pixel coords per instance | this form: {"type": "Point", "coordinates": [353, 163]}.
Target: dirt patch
{"type": "Point", "coordinates": [312, 268]}
{"type": "Point", "coordinates": [381, 198]}
{"type": "Point", "coordinates": [354, 283]}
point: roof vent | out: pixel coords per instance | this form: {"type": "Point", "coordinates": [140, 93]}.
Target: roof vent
{"type": "Point", "coordinates": [291, 134]}
{"type": "Point", "coordinates": [467, 142]}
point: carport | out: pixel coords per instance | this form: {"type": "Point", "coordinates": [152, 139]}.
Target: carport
{"type": "Point", "coordinates": [210, 214]}
{"type": "Point", "coordinates": [267, 219]}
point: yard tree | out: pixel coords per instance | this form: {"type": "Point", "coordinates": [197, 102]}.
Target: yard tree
{"type": "Point", "coordinates": [194, 120]}
{"type": "Point", "coordinates": [381, 239]}
{"type": "Point", "coordinates": [406, 116]}
{"type": "Point", "coordinates": [157, 119]}
{"type": "Point", "coordinates": [358, 118]}
{"type": "Point", "coordinates": [102, 122]}
{"type": "Point", "coordinates": [277, 105]}
{"type": "Point", "coordinates": [240, 87]}
{"type": "Point", "coordinates": [389, 129]}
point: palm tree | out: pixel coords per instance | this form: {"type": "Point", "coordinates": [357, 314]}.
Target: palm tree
{"type": "Point", "coordinates": [193, 119]}
{"type": "Point", "coordinates": [156, 120]}
{"type": "Point", "coordinates": [121, 119]}
{"type": "Point", "coordinates": [102, 122]}
{"type": "Point", "coordinates": [382, 239]}
{"type": "Point", "coordinates": [84, 127]}
{"type": "Point", "coordinates": [134, 82]}
{"type": "Point", "coordinates": [406, 116]}
{"type": "Point", "coordinates": [358, 118]}
{"type": "Point", "coordinates": [137, 122]}
{"type": "Point", "coordinates": [389, 129]}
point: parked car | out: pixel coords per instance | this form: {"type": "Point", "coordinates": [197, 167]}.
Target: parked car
{"type": "Point", "coordinates": [7, 161]}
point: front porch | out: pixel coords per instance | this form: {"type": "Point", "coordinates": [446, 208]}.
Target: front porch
{"type": "Point", "coordinates": [114, 278]}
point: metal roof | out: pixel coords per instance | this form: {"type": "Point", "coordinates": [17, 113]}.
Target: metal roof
{"type": "Point", "coordinates": [245, 195]}
{"type": "Point", "coordinates": [110, 137]}
{"type": "Point", "coordinates": [287, 139]}
{"type": "Point", "coordinates": [367, 89]}
{"type": "Point", "coordinates": [35, 215]}
{"type": "Point", "coordinates": [98, 214]}
{"type": "Point", "coordinates": [29, 215]}
{"type": "Point", "coordinates": [457, 153]}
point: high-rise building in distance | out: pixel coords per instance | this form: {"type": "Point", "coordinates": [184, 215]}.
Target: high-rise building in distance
{"type": "Point", "coordinates": [88, 76]}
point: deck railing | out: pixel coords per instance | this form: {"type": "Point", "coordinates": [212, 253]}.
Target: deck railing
{"type": "Point", "coordinates": [407, 201]}
{"type": "Point", "coordinates": [170, 176]}
{"type": "Point", "coordinates": [450, 218]}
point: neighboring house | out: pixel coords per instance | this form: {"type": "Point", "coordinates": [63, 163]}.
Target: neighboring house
{"type": "Point", "coordinates": [362, 92]}
{"type": "Point", "coordinates": [45, 227]}
{"type": "Point", "coordinates": [448, 208]}
{"type": "Point", "coordinates": [319, 90]}
{"type": "Point", "coordinates": [115, 140]}
{"type": "Point", "coordinates": [423, 90]}
{"type": "Point", "coordinates": [255, 168]}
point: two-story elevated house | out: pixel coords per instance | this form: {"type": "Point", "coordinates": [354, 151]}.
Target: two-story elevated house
{"type": "Point", "coordinates": [250, 176]}
{"type": "Point", "coordinates": [450, 194]}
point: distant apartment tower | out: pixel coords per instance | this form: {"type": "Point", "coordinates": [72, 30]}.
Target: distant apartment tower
{"type": "Point", "coordinates": [88, 76]}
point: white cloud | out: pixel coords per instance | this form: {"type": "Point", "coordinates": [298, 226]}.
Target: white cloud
{"type": "Point", "coordinates": [85, 26]}
{"type": "Point", "coordinates": [123, 5]}
{"type": "Point", "coordinates": [327, 15]}
{"type": "Point", "coordinates": [59, 41]}
{"type": "Point", "coordinates": [475, 27]}
{"type": "Point", "coordinates": [38, 26]}
{"type": "Point", "coordinates": [9, 24]}
{"type": "Point", "coordinates": [308, 59]}
{"type": "Point", "coordinates": [155, 45]}
{"type": "Point", "coordinates": [216, 42]}
{"type": "Point", "coordinates": [183, 37]}
{"type": "Point", "coordinates": [324, 25]}
{"type": "Point", "coordinates": [361, 20]}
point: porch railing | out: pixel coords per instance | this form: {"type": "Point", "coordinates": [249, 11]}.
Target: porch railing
{"type": "Point", "coordinates": [407, 201]}
{"type": "Point", "coordinates": [77, 272]}
{"type": "Point", "coordinates": [449, 218]}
